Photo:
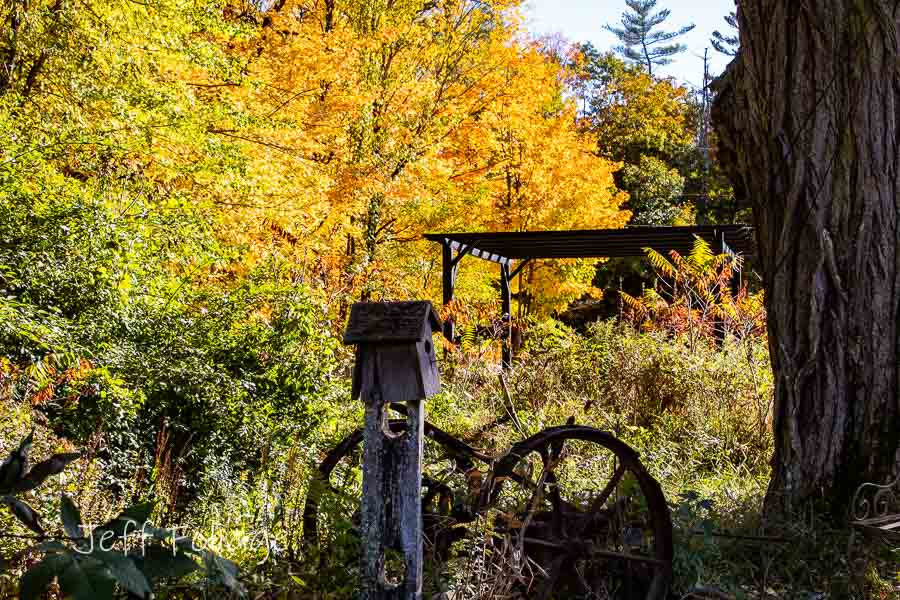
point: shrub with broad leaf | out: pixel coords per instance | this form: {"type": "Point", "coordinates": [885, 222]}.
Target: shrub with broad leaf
{"type": "Point", "coordinates": [125, 554]}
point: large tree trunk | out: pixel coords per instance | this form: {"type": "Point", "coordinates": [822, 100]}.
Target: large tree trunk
{"type": "Point", "coordinates": [807, 117]}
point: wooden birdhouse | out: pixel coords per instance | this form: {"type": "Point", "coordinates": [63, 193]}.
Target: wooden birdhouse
{"type": "Point", "coordinates": [395, 363]}
{"type": "Point", "coordinates": [395, 356]}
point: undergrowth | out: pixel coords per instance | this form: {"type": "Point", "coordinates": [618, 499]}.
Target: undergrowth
{"type": "Point", "coordinates": [699, 417]}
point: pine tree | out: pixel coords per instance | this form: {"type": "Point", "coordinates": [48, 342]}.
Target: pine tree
{"type": "Point", "coordinates": [727, 44]}
{"type": "Point", "coordinates": [640, 40]}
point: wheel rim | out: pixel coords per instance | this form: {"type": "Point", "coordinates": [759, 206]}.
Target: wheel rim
{"type": "Point", "coordinates": [588, 516]}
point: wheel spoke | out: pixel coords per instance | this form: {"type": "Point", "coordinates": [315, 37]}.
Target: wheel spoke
{"type": "Point", "coordinates": [595, 550]}
{"type": "Point", "coordinates": [627, 556]}
{"type": "Point", "coordinates": [557, 515]}
{"type": "Point", "coordinates": [597, 504]}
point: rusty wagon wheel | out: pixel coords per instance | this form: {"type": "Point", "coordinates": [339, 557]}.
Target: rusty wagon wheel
{"type": "Point", "coordinates": [331, 514]}
{"type": "Point", "coordinates": [589, 519]}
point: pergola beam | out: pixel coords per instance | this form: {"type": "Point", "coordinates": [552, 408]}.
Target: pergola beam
{"type": "Point", "coordinates": [472, 249]}
{"type": "Point", "coordinates": [504, 248]}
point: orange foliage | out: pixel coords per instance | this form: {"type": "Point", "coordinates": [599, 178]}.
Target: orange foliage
{"type": "Point", "coordinates": [693, 298]}
{"type": "Point", "coordinates": [357, 132]}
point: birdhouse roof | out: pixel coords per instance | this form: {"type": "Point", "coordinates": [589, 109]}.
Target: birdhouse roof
{"type": "Point", "coordinates": [391, 322]}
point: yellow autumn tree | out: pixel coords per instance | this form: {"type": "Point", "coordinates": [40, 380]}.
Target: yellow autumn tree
{"type": "Point", "coordinates": [352, 127]}
{"type": "Point", "coordinates": [339, 118]}
{"type": "Point", "coordinates": [530, 166]}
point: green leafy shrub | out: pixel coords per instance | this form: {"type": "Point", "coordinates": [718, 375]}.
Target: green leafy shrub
{"type": "Point", "coordinates": [92, 563]}
{"type": "Point", "coordinates": [113, 332]}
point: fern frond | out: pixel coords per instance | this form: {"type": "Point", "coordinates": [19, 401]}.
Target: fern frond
{"type": "Point", "coordinates": [679, 262]}
{"type": "Point", "coordinates": [650, 296]}
{"type": "Point", "coordinates": [721, 261]}
{"type": "Point", "coordinates": [706, 294]}
{"type": "Point", "coordinates": [655, 302]}
{"type": "Point", "coordinates": [468, 338]}
{"type": "Point", "coordinates": [725, 311]}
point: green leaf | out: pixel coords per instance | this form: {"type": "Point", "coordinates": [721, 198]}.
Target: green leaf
{"type": "Point", "coordinates": [171, 538]}
{"type": "Point", "coordinates": [35, 581]}
{"type": "Point", "coordinates": [159, 562]}
{"type": "Point", "coordinates": [50, 547]}
{"type": "Point", "coordinates": [25, 445]}
{"type": "Point", "coordinates": [132, 517]}
{"type": "Point", "coordinates": [138, 512]}
{"type": "Point", "coordinates": [41, 471]}
{"type": "Point", "coordinates": [87, 579]}
{"type": "Point", "coordinates": [24, 513]}
{"type": "Point", "coordinates": [71, 518]}
{"type": "Point", "coordinates": [278, 516]}
{"type": "Point", "coordinates": [223, 571]}
{"type": "Point", "coordinates": [660, 262]}
{"type": "Point", "coordinates": [125, 572]}
{"type": "Point", "coordinates": [701, 254]}
{"type": "Point", "coordinates": [14, 466]}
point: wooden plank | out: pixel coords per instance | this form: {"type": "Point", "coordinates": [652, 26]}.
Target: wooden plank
{"type": "Point", "coordinates": [408, 497]}
{"type": "Point", "coordinates": [428, 368]}
{"type": "Point", "coordinates": [391, 504]}
{"type": "Point", "coordinates": [397, 372]}
{"type": "Point", "coordinates": [376, 476]}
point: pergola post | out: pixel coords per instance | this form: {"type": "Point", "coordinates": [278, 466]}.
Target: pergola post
{"type": "Point", "coordinates": [506, 277]}
{"type": "Point", "coordinates": [449, 270]}
{"type": "Point", "coordinates": [506, 314]}
{"type": "Point", "coordinates": [450, 267]}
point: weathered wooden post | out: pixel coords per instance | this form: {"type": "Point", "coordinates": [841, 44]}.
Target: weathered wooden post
{"type": "Point", "coordinates": [395, 362]}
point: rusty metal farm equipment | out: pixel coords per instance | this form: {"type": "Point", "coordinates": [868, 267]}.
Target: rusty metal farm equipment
{"type": "Point", "coordinates": [588, 519]}
{"type": "Point", "coordinates": [571, 509]}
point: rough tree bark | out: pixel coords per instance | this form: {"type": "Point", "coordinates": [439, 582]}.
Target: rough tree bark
{"type": "Point", "coordinates": [807, 116]}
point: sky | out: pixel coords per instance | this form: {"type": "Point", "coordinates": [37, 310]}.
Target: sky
{"type": "Point", "coordinates": [583, 20]}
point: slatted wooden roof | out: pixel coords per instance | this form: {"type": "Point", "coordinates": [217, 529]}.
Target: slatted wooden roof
{"type": "Point", "coordinates": [391, 322]}
{"type": "Point", "coordinates": [507, 246]}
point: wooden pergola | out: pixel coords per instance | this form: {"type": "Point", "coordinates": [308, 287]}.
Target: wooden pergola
{"type": "Point", "coordinates": [512, 250]}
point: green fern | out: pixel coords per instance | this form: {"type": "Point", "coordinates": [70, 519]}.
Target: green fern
{"type": "Point", "coordinates": [468, 337]}
{"type": "Point", "coordinates": [651, 296]}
